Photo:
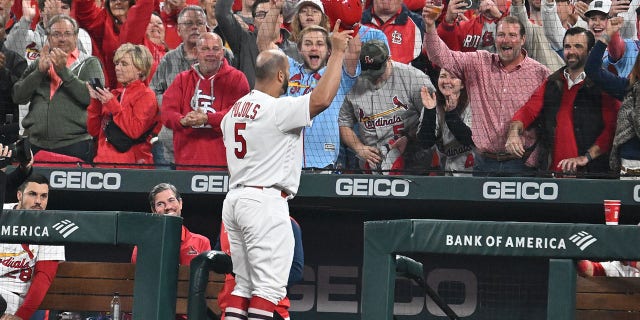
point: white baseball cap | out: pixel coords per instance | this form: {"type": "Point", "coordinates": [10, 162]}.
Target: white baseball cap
{"type": "Point", "coordinates": [316, 3]}
{"type": "Point", "coordinates": [602, 6]}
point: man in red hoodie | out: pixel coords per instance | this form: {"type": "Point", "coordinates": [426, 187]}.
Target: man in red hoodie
{"type": "Point", "coordinates": [195, 103]}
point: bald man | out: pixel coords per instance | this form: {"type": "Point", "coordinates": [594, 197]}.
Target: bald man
{"type": "Point", "coordinates": [262, 135]}
{"type": "Point", "coordinates": [195, 103]}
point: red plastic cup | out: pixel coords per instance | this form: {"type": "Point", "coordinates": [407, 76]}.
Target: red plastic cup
{"type": "Point", "coordinates": [611, 211]}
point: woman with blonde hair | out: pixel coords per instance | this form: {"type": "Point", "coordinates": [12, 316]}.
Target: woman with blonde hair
{"type": "Point", "coordinates": [123, 119]}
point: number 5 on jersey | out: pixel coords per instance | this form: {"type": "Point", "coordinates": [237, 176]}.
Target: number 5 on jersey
{"type": "Point", "coordinates": [241, 148]}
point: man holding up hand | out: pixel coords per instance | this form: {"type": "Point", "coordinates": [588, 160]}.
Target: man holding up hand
{"type": "Point", "coordinates": [263, 139]}
{"type": "Point", "coordinates": [498, 84]}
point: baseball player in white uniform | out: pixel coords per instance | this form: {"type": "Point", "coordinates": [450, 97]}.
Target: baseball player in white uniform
{"type": "Point", "coordinates": [26, 270]}
{"type": "Point", "coordinates": [262, 136]}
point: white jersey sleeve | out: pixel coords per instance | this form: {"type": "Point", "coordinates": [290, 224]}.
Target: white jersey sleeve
{"type": "Point", "coordinates": [292, 113]}
{"type": "Point", "coordinates": [17, 262]}
{"type": "Point", "coordinates": [263, 140]}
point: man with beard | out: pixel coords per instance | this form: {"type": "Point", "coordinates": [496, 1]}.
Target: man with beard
{"type": "Point", "coordinates": [321, 138]}
{"type": "Point", "coordinates": [191, 23]}
{"type": "Point", "coordinates": [193, 106]}
{"type": "Point", "coordinates": [262, 135]}
{"type": "Point", "coordinates": [386, 103]}
{"type": "Point", "coordinates": [26, 270]}
{"type": "Point", "coordinates": [498, 84]}
{"type": "Point", "coordinates": [577, 120]}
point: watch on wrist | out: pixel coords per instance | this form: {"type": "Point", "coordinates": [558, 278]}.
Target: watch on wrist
{"type": "Point", "coordinates": [588, 156]}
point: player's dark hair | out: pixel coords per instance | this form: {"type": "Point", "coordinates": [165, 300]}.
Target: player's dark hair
{"type": "Point", "coordinates": [591, 40]}
{"type": "Point", "coordinates": [512, 20]}
{"type": "Point", "coordinates": [269, 63]}
{"type": "Point", "coordinates": [160, 188]}
{"type": "Point", "coordinates": [35, 178]}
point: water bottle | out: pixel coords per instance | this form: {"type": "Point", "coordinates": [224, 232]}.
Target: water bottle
{"type": "Point", "coordinates": [115, 307]}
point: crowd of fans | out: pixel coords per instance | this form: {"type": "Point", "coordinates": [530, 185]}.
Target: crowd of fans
{"type": "Point", "coordinates": [497, 87]}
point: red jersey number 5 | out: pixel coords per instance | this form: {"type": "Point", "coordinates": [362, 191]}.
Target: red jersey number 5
{"type": "Point", "coordinates": [240, 151]}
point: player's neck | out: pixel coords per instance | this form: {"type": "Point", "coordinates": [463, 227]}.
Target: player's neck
{"type": "Point", "coordinates": [268, 88]}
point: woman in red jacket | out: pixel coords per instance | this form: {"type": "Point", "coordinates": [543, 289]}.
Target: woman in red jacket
{"type": "Point", "coordinates": [118, 22]}
{"type": "Point", "coordinates": [132, 107]}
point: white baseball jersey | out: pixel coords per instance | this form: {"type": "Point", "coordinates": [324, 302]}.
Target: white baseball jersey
{"type": "Point", "coordinates": [17, 263]}
{"type": "Point", "coordinates": [262, 135]}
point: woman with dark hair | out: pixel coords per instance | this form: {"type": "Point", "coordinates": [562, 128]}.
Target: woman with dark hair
{"type": "Point", "coordinates": [132, 108]}
{"type": "Point", "coordinates": [446, 122]}
{"type": "Point", "coordinates": [118, 22]}
{"type": "Point", "coordinates": [154, 41]}
{"type": "Point", "coordinates": [625, 151]}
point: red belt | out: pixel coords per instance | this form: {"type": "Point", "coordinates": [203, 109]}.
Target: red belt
{"type": "Point", "coordinates": [283, 194]}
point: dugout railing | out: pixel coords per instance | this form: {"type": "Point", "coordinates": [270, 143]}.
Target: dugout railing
{"type": "Point", "coordinates": [157, 238]}
{"type": "Point", "coordinates": [383, 239]}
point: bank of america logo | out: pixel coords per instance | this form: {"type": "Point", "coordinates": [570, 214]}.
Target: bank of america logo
{"type": "Point", "coordinates": [65, 227]}
{"type": "Point", "coordinates": [582, 239]}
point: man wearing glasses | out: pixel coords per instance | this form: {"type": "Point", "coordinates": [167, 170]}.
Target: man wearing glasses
{"type": "Point", "coordinates": [243, 42]}
{"type": "Point", "coordinates": [55, 84]}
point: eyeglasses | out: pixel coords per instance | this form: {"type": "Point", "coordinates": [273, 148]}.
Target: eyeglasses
{"type": "Point", "coordinates": [190, 24]}
{"type": "Point", "coordinates": [58, 35]}
{"type": "Point", "coordinates": [116, 1]}
{"type": "Point", "coordinates": [261, 14]}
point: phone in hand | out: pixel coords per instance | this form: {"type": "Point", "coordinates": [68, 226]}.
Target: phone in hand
{"type": "Point", "coordinates": [95, 83]}
{"type": "Point", "coordinates": [472, 4]}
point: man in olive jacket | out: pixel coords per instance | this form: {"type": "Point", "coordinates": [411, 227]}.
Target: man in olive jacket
{"type": "Point", "coordinates": [55, 84]}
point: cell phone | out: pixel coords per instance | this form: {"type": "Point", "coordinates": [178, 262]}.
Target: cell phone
{"type": "Point", "coordinates": [95, 83]}
{"type": "Point", "coordinates": [472, 4]}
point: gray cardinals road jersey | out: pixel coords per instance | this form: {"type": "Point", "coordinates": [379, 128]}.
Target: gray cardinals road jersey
{"type": "Point", "coordinates": [383, 112]}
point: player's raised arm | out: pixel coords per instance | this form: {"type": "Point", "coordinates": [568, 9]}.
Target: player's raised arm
{"type": "Point", "coordinates": [327, 87]}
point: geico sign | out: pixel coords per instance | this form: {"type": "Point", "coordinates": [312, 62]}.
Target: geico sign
{"type": "Point", "coordinates": [520, 190]}
{"type": "Point", "coordinates": [204, 183]}
{"type": "Point", "coordinates": [372, 187]}
{"type": "Point", "coordinates": [85, 180]}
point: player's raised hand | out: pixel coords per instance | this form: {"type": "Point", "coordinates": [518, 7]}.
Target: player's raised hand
{"type": "Point", "coordinates": [340, 39]}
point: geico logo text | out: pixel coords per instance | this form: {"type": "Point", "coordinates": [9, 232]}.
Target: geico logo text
{"type": "Point", "coordinates": [372, 187]}
{"type": "Point", "coordinates": [204, 183]}
{"type": "Point", "coordinates": [520, 190]}
{"type": "Point", "coordinates": [85, 180]}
